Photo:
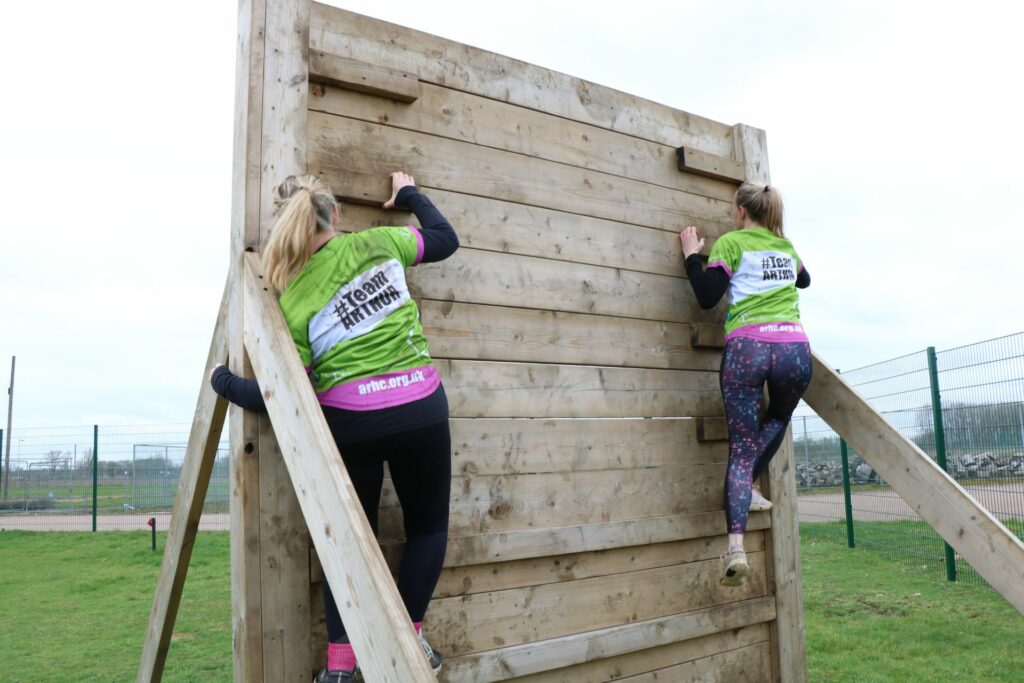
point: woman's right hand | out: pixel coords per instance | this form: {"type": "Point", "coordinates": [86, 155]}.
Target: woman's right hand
{"type": "Point", "coordinates": [399, 179]}
{"type": "Point", "coordinates": [691, 242]}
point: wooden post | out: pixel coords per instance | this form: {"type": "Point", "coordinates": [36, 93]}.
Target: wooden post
{"type": "Point", "coordinates": [10, 413]}
{"type": "Point", "coordinates": [200, 456]}
{"type": "Point", "coordinates": [789, 651]}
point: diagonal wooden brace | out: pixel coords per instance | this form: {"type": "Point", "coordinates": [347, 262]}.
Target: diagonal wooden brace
{"type": "Point", "coordinates": [375, 618]}
{"type": "Point", "coordinates": [200, 456]}
{"type": "Point", "coordinates": [994, 552]}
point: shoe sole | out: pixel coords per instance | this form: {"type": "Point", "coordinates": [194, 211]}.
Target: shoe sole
{"type": "Point", "coordinates": [734, 574]}
{"type": "Point", "coordinates": [757, 507]}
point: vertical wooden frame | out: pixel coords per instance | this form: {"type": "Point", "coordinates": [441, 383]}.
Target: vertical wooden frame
{"type": "Point", "coordinates": [789, 651]}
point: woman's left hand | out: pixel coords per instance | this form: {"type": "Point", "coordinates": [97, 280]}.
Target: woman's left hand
{"type": "Point", "coordinates": [692, 243]}
{"type": "Point", "coordinates": [399, 179]}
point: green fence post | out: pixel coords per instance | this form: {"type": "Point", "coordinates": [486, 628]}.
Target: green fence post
{"type": "Point", "coordinates": [940, 443]}
{"type": "Point", "coordinates": [95, 469]}
{"type": "Point", "coordinates": [847, 498]}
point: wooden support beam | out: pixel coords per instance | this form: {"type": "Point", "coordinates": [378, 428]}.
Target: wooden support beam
{"type": "Point", "coordinates": [200, 456]}
{"type": "Point", "coordinates": [536, 657]}
{"type": "Point", "coordinates": [712, 429]}
{"type": "Point", "coordinates": [994, 551]}
{"type": "Point", "coordinates": [695, 161]}
{"type": "Point", "coordinates": [705, 336]}
{"type": "Point", "coordinates": [375, 619]}
{"type": "Point", "coordinates": [352, 74]}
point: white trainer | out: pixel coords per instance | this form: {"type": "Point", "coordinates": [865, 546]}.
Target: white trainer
{"type": "Point", "coordinates": [758, 503]}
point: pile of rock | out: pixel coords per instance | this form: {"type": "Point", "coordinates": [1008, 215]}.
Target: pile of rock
{"type": "Point", "coordinates": [987, 466]}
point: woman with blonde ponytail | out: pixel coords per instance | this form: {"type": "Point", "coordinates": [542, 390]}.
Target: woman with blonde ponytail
{"type": "Point", "coordinates": [765, 343]}
{"type": "Point", "coordinates": [346, 302]}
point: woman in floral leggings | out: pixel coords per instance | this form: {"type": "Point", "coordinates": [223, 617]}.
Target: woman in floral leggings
{"type": "Point", "coordinates": [764, 344]}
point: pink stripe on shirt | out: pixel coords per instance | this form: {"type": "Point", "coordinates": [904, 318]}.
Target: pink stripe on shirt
{"type": "Point", "coordinates": [419, 244]}
{"type": "Point", "coordinates": [383, 391]}
{"type": "Point", "coordinates": [770, 332]}
{"type": "Point", "coordinates": [721, 264]}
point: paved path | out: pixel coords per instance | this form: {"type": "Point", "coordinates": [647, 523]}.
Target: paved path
{"type": "Point", "coordinates": [134, 522]}
{"type": "Point", "coordinates": [1005, 501]}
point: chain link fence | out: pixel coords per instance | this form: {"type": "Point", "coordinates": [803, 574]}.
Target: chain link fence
{"type": "Point", "coordinates": [964, 407]}
{"type": "Point", "coordinates": [55, 482]}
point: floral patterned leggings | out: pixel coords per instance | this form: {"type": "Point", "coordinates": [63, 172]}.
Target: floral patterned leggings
{"type": "Point", "coordinates": [746, 365]}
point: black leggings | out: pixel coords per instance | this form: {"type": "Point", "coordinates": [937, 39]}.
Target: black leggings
{"type": "Point", "coordinates": [420, 464]}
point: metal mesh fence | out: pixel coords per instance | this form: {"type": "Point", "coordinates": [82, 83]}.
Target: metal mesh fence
{"type": "Point", "coordinates": [54, 485]}
{"type": "Point", "coordinates": [979, 391]}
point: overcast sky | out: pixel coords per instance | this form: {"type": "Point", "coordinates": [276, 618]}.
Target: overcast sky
{"type": "Point", "coordinates": [893, 132]}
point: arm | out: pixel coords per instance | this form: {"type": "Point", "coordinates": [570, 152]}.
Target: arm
{"type": "Point", "coordinates": [439, 238]}
{"type": "Point", "coordinates": [708, 285]}
{"type": "Point", "coordinates": [240, 391]}
{"type": "Point", "coordinates": [803, 278]}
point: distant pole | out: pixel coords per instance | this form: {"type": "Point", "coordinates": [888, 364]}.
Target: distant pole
{"type": "Point", "coordinates": [10, 413]}
{"type": "Point", "coordinates": [95, 469]}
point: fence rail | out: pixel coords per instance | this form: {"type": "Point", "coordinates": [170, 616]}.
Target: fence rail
{"type": "Point", "coordinates": [964, 407]}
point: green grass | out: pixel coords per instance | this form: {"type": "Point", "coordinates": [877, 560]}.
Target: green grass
{"type": "Point", "coordinates": [75, 606]}
{"type": "Point", "coordinates": [872, 619]}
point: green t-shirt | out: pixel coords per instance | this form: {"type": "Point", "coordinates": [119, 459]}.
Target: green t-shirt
{"type": "Point", "coordinates": [354, 323]}
{"type": "Point", "coordinates": [762, 269]}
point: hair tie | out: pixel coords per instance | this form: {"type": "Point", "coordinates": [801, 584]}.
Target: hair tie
{"type": "Point", "coordinates": [767, 187]}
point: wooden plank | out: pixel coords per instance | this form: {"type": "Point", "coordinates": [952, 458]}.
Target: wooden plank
{"type": "Point", "coordinates": [484, 621]}
{"type": "Point", "coordinates": [547, 233]}
{"type": "Point", "coordinates": [497, 576]}
{"type": "Point", "coordinates": [712, 166]}
{"type": "Point", "coordinates": [981, 539]}
{"type": "Point", "coordinates": [284, 569]}
{"type": "Point", "coordinates": [368, 601]}
{"type": "Point", "coordinates": [483, 504]}
{"type": "Point", "coordinates": [482, 389]}
{"type": "Point", "coordinates": [551, 541]}
{"type": "Point", "coordinates": [469, 69]}
{"type": "Point", "coordinates": [501, 333]}
{"type": "Point", "coordinates": [519, 446]}
{"type": "Point", "coordinates": [704, 336]}
{"type": "Point", "coordinates": [354, 158]}
{"type": "Point", "coordinates": [353, 74]}
{"type": "Point", "coordinates": [655, 658]}
{"type": "Point", "coordinates": [490, 123]}
{"type": "Point", "coordinates": [750, 148]}
{"type": "Point", "coordinates": [537, 657]}
{"type": "Point", "coordinates": [749, 664]}
{"type": "Point", "coordinates": [483, 277]}
{"type": "Point", "coordinates": [200, 455]}
{"type": "Point", "coordinates": [788, 629]}
{"type": "Point", "coordinates": [711, 429]}
{"type": "Point", "coordinates": [246, 617]}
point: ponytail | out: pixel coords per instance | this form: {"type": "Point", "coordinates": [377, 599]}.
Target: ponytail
{"type": "Point", "coordinates": [305, 206]}
{"type": "Point", "coordinates": [763, 204]}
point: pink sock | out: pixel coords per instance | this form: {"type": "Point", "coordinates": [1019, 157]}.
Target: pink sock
{"type": "Point", "coordinates": [340, 656]}
{"type": "Point", "coordinates": [418, 625]}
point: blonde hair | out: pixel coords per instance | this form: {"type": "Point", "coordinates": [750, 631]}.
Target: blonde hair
{"type": "Point", "coordinates": [304, 206]}
{"type": "Point", "coordinates": [763, 204]}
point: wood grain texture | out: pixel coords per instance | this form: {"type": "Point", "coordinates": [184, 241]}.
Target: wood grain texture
{"type": "Point", "coordinates": [484, 621]}
{"type": "Point", "coordinates": [501, 333]}
{"type": "Point", "coordinates": [749, 664]}
{"type": "Point", "coordinates": [701, 163]}
{"type": "Point", "coordinates": [469, 69]}
{"type": "Point", "coordinates": [362, 77]}
{"type": "Point", "coordinates": [484, 277]}
{"type": "Point", "coordinates": [537, 657]}
{"type": "Point", "coordinates": [354, 158]}
{"type": "Point", "coordinates": [484, 389]}
{"type": "Point", "coordinates": [661, 657]}
{"type": "Point", "coordinates": [491, 123]}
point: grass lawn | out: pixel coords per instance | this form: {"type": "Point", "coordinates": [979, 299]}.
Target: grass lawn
{"type": "Point", "coordinates": [75, 607]}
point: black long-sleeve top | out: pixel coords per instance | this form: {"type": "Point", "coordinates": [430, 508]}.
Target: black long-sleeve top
{"type": "Point", "coordinates": [710, 285]}
{"type": "Point", "coordinates": [439, 242]}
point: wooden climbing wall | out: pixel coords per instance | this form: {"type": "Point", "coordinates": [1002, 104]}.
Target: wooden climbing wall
{"type": "Point", "coordinates": [589, 451]}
